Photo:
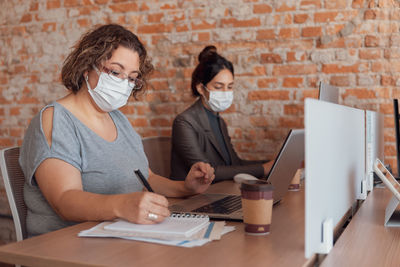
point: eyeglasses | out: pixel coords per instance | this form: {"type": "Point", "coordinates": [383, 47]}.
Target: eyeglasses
{"type": "Point", "coordinates": [118, 76]}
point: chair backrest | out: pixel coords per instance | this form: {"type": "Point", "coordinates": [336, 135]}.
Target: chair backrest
{"type": "Point", "coordinates": [397, 132]}
{"type": "Point", "coordinates": [14, 180]}
{"type": "Point", "coordinates": [158, 152]}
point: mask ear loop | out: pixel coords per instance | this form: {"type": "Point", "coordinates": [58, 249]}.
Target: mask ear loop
{"type": "Point", "coordinates": [87, 83]}
{"type": "Point", "coordinates": [205, 98]}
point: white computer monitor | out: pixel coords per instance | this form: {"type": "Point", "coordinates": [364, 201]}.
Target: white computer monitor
{"type": "Point", "coordinates": [328, 93]}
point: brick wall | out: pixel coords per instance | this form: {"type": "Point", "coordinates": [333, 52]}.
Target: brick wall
{"type": "Point", "coordinates": [280, 49]}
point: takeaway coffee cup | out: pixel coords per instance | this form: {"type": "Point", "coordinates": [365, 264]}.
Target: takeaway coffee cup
{"type": "Point", "coordinates": [257, 206]}
{"type": "Point", "coordinates": [295, 183]}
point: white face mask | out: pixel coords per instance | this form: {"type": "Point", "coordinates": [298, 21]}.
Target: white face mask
{"type": "Point", "coordinates": [219, 100]}
{"type": "Point", "coordinates": [109, 94]}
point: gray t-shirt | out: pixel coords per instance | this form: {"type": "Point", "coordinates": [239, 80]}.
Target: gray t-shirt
{"type": "Point", "coordinates": [106, 167]}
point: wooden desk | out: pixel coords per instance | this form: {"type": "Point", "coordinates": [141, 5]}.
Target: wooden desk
{"type": "Point", "coordinates": [366, 241]}
{"type": "Point", "coordinates": [284, 246]}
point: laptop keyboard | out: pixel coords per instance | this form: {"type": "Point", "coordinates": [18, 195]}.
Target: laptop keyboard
{"type": "Point", "coordinates": [225, 205]}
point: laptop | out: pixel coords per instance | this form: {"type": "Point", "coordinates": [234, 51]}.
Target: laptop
{"type": "Point", "coordinates": [228, 207]}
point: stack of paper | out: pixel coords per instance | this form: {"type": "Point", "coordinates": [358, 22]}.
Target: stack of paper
{"type": "Point", "coordinates": [177, 230]}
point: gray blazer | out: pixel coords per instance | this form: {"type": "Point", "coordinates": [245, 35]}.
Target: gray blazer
{"type": "Point", "coordinates": [193, 140]}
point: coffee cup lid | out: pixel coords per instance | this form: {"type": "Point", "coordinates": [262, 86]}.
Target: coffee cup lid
{"type": "Point", "coordinates": [256, 185]}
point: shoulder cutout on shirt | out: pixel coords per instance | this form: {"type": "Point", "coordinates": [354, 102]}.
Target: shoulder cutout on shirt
{"type": "Point", "coordinates": [47, 123]}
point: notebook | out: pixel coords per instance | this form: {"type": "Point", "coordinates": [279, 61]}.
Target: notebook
{"type": "Point", "coordinates": [176, 225]}
{"type": "Point", "coordinates": [228, 207]}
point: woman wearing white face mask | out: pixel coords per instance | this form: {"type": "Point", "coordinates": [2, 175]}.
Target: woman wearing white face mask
{"type": "Point", "coordinates": [199, 133]}
{"type": "Point", "coordinates": [79, 153]}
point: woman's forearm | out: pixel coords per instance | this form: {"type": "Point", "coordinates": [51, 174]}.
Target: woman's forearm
{"type": "Point", "coordinates": [167, 187]}
{"type": "Point", "coordinates": [78, 206]}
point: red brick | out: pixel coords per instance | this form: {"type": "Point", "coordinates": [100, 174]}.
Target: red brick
{"type": "Point", "coordinates": [140, 122]}
{"type": "Point", "coordinates": [26, 18]}
{"type": "Point", "coordinates": [292, 82]}
{"type": "Point", "coordinates": [265, 34]}
{"type": "Point", "coordinates": [16, 132]}
{"type": "Point", "coordinates": [294, 109]}
{"type": "Point", "coordinates": [369, 14]}
{"type": "Point", "coordinates": [124, 7]}
{"type": "Point", "coordinates": [71, 3]}
{"type": "Point", "coordinates": [305, 4]}
{"type": "Point", "coordinates": [385, 27]}
{"type": "Point", "coordinates": [283, 7]}
{"type": "Point", "coordinates": [387, 80]}
{"type": "Point", "coordinates": [269, 95]}
{"type": "Point", "coordinates": [155, 17]}
{"type": "Point", "coordinates": [259, 121]}
{"type": "Point", "coordinates": [288, 33]}
{"type": "Point", "coordinates": [386, 3]}
{"type": "Point", "coordinates": [203, 36]}
{"type": "Point", "coordinates": [359, 93]}
{"type": "Point", "coordinates": [357, 3]}
{"type": "Point", "coordinates": [295, 69]}
{"type": "Point", "coordinates": [295, 56]}
{"type": "Point", "coordinates": [155, 28]}
{"type": "Point", "coordinates": [267, 82]}
{"type": "Point", "coordinates": [3, 78]}
{"type": "Point", "coordinates": [371, 41]}
{"type": "Point", "coordinates": [311, 31]}
{"type": "Point", "coordinates": [335, 68]}
{"type": "Point", "coordinates": [15, 111]}
{"type": "Point", "coordinates": [49, 26]}
{"type": "Point", "coordinates": [336, 4]}
{"type": "Point", "coordinates": [6, 142]}
{"type": "Point", "coordinates": [271, 58]}
{"type": "Point", "coordinates": [386, 108]}
{"type": "Point", "coordinates": [167, 6]}
{"type": "Point", "coordinates": [300, 18]}
{"type": "Point", "coordinates": [262, 8]}
{"type": "Point", "coordinates": [182, 28]}
{"type": "Point", "coordinates": [325, 16]}
{"type": "Point", "coordinates": [34, 7]}
{"type": "Point", "coordinates": [142, 110]}
{"type": "Point", "coordinates": [144, 7]}
{"type": "Point", "coordinates": [159, 85]}
{"type": "Point", "coordinates": [293, 123]}
{"type": "Point", "coordinates": [160, 122]}
{"type": "Point", "coordinates": [259, 71]}
{"type": "Point", "coordinates": [369, 53]}
{"type": "Point", "coordinates": [83, 22]}
{"type": "Point", "coordinates": [52, 4]}
{"type": "Point", "coordinates": [339, 80]}
{"type": "Point", "coordinates": [128, 109]}
{"type": "Point", "coordinates": [310, 94]}
{"type": "Point", "coordinates": [164, 109]}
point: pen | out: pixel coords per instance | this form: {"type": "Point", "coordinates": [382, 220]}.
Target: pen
{"type": "Point", "coordinates": [143, 180]}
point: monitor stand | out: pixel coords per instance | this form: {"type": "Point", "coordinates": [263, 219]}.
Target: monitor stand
{"type": "Point", "coordinates": [392, 215]}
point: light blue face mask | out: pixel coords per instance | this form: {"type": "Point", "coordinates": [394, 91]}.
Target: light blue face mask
{"type": "Point", "coordinates": [109, 94]}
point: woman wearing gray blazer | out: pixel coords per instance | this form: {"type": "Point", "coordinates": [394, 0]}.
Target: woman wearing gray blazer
{"type": "Point", "coordinates": [200, 134]}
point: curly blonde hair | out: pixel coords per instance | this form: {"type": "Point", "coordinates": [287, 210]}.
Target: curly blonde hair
{"type": "Point", "coordinates": [97, 46]}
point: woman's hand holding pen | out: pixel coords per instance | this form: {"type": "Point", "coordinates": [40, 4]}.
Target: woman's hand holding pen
{"type": "Point", "coordinates": [199, 177]}
{"type": "Point", "coordinates": [142, 207]}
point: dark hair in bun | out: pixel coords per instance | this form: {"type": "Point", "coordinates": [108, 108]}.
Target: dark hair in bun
{"type": "Point", "coordinates": [210, 64]}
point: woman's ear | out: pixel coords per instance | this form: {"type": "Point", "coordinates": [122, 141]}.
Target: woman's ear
{"type": "Point", "coordinates": [200, 89]}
